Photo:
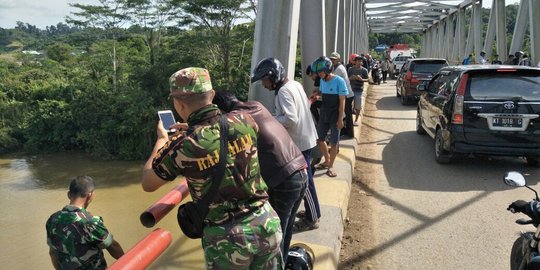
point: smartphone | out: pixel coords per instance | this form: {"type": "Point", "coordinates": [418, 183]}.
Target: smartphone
{"type": "Point", "coordinates": [167, 118]}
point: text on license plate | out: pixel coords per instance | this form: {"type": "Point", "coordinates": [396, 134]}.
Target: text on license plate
{"type": "Point", "coordinates": [507, 122]}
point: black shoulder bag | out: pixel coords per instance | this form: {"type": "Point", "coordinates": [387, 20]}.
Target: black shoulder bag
{"type": "Point", "coordinates": [191, 215]}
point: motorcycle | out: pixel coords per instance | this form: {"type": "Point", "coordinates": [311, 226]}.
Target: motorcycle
{"type": "Point", "coordinates": [376, 74]}
{"type": "Point", "coordinates": [525, 247]}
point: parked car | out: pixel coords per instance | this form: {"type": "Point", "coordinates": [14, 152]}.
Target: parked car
{"type": "Point", "coordinates": [398, 62]}
{"type": "Point", "coordinates": [482, 110]}
{"type": "Point", "coordinates": [412, 73]}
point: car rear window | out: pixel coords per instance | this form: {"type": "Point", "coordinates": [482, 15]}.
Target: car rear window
{"type": "Point", "coordinates": [505, 86]}
{"type": "Point", "coordinates": [402, 58]}
{"type": "Point", "coordinates": [427, 66]}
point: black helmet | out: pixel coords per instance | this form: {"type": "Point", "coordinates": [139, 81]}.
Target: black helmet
{"type": "Point", "coordinates": [518, 53]}
{"type": "Point", "coordinates": [300, 257]}
{"type": "Point", "coordinates": [271, 68]}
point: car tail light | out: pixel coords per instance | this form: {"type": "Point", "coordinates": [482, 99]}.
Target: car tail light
{"type": "Point", "coordinates": [408, 75]}
{"type": "Point", "coordinates": [457, 115]}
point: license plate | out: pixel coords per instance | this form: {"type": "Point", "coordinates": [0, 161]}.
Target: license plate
{"type": "Point", "coordinates": [507, 122]}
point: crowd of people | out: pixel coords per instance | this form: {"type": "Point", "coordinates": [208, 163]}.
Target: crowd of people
{"type": "Point", "coordinates": [268, 165]}
{"type": "Point", "coordinates": [519, 58]}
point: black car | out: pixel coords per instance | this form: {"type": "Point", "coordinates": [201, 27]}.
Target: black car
{"type": "Point", "coordinates": [414, 72]}
{"type": "Point", "coordinates": [482, 109]}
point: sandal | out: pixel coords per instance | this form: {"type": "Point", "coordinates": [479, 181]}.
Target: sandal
{"type": "Point", "coordinates": [330, 172]}
{"type": "Point", "coordinates": [301, 214]}
{"type": "Point", "coordinates": [321, 166]}
{"type": "Point", "coordinates": [303, 225]}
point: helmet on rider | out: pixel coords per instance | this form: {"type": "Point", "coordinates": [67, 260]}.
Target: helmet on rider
{"type": "Point", "coordinates": [352, 57]}
{"type": "Point", "coordinates": [323, 64]}
{"type": "Point", "coordinates": [270, 68]}
{"type": "Point", "coordinates": [518, 53]}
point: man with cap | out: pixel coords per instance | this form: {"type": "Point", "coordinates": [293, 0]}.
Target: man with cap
{"type": "Point", "coordinates": [241, 229]}
{"type": "Point", "coordinates": [339, 70]}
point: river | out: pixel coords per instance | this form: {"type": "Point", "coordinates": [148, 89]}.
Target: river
{"type": "Point", "coordinates": [34, 187]}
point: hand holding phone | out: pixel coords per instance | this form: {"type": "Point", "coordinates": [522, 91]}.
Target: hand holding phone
{"type": "Point", "coordinates": [167, 118]}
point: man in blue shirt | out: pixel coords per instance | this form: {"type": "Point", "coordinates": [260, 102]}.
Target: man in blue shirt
{"type": "Point", "coordinates": [334, 91]}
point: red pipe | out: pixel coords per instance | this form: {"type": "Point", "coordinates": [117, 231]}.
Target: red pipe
{"type": "Point", "coordinates": [145, 252]}
{"type": "Point", "coordinates": [158, 210]}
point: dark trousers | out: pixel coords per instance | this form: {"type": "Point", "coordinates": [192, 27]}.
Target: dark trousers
{"type": "Point", "coordinates": [285, 198]}
{"type": "Point", "coordinates": [384, 74]}
{"type": "Point", "coordinates": [314, 108]}
{"type": "Point", "coordinates": [311, 201]}
{"type": "Point", "coordinates": [348, 127]}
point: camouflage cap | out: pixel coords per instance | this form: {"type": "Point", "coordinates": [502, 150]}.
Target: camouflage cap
{"type": "Point", "coordinates": [335, 55]}
{"type": "Point", "coordinates": [190, 81]}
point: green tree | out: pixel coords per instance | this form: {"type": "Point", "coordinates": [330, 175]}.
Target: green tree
{"type": "Point", "coordinates": [59, 52]}
{"type": "Point", "coordinates": [214, 21]}
{"type": "Point", "coordinates": [111, 15]}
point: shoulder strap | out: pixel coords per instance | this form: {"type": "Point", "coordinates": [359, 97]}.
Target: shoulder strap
{"type": "Point", "coordinates": [219, 173]}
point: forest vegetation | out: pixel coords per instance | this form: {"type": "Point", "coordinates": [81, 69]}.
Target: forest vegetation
{"type": "Point", "coordinates": [95, 82]}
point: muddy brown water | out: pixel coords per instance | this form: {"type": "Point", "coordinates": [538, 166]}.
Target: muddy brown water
{"type": "Point", "coordinates": [34, 187]}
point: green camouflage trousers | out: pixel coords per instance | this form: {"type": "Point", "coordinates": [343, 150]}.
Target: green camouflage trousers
{"type": "Point", "coordinates": [253, 242]}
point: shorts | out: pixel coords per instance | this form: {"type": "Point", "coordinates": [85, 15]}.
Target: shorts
{"type": "Point", "coordinates": [322, 131]}
{"type": "Point", "coordinates": [358, 99]}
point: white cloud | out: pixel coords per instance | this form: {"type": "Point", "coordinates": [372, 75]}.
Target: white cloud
{"type": "Point", "coordinates": [39, 13]}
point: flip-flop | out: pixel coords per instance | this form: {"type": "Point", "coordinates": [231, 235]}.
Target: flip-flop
{"type": "Point", "coordinates": [321, 166]}
{"type": "Point", "coordinates": [331, 173]}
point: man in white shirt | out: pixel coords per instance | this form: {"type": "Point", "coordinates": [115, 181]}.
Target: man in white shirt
{"type": "Point", "coordinates": [292, 111]}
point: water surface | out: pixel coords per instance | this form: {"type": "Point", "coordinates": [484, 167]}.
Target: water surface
{"type": "Point", "coordinates": [34, 187]}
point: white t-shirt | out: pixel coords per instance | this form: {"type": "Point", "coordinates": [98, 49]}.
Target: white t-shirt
{"type": "Point", "coordinates": [342, 72]}
{"type": "Point", "coordinates": [292, 111]}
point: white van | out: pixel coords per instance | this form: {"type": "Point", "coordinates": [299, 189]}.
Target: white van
{"type": "Point", "coordinates": [398, 62]}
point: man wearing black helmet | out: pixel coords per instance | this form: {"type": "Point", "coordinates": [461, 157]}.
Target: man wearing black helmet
{"type": "Point", "coordinates": [292, 111]}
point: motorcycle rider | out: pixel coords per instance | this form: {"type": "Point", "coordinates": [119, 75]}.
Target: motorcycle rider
{"type": "Point", "coordinates": [531, 209]}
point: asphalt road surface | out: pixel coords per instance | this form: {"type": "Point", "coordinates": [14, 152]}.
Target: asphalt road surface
{"type": "Point", "coordinates": [408, 212]}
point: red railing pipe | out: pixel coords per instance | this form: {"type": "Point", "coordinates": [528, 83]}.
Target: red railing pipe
{"type": "Point", "coordinates": [145, 252]}
{"type": "Point", "coordinates": [158, 210]}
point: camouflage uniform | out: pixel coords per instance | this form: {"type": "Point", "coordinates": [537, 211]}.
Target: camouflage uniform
{"type": "Point", "coordinates": [78, 238]}
{"type": "Point", "coordinates": [243, 231]}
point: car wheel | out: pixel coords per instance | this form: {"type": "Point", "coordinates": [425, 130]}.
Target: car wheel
{"type": "Point", "coordinates": [441, 156]}
{"type": "Point", "coordinates": [419, 128]}
{"type": "Point", "coordinates": [397, 91]}
{"type": "Point", "coordinates": [532, 161]}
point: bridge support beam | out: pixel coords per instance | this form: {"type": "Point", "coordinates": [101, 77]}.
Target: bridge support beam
{"type": "Point", "coordinates": [276, 35]}
{"type": "Point", "coordinates": [500, 26]}
{"type": "Point", "coordinates": [312, 38]}
{"type": "Point", "coordinates": [520, 27]}
{"type": "Point", "coordinates": [534, 23]}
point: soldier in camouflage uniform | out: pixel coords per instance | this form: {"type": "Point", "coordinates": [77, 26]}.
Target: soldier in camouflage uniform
{"type": "Point", "coordinates": [76, 237]}
{"type": "Point", "coordinates": [242, 230]}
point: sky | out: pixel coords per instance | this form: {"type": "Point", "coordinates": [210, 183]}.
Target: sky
{"type": "Point", "coordinates": [42, 13]}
